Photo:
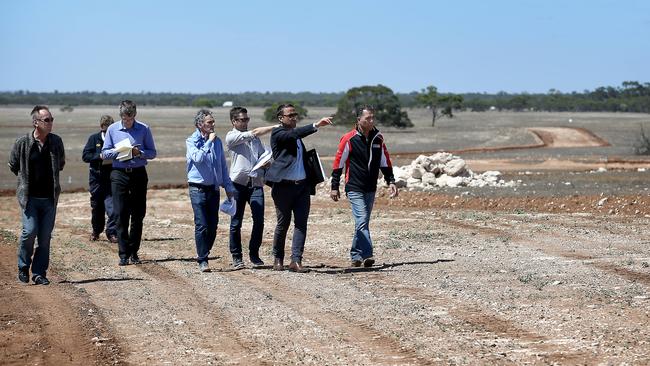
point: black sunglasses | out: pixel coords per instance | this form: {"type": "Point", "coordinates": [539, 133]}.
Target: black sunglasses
{"type": "Point", "coordinates": [290, 115]}
{"type": "Point", "coordinates": [247, 119]}
{"type": "Point", "coordinates": [46, 120]}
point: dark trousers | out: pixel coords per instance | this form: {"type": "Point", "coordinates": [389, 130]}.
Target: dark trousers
{"type": "Point", "coordinates": [290, 198]}
{"type": "Point", "coordinates": [130, 206]}
{"type": "Point", "coordinates": [254, 196]}
{"type": "Point", "coordinates": [101, 203]}
{"type": "Point", "coordinates": [205, 204]}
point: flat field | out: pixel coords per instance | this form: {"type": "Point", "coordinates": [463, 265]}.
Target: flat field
{"type": "Point", "coordinates": [553, 271]}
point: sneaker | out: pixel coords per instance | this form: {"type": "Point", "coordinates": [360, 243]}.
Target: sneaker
{"type": "Point", "coordinates": [238, 264]}
{"type": "Point", "coordinates": [23, 275]}
{"type": "Point", "coordinates": [355, 263]}
{"type": "Point", "coordinates": [256, 261]}
{"type": "Point", "coordinates": [112, 239]}
{"type": "Point", "coordinates": [203, 267]}
{"type": "Point", "coordinates": [94, 237]}
{"type": "Point", "coordinates": [40, 280]}
{"type": "Point", "coordinates": [368, 262]}
{"type": "Point", "coordinates": [135, 259]}
{"type": "Point", "coordinates": [123, 262]}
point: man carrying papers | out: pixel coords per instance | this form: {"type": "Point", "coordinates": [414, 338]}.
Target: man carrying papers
{"type": "Point", "coordinates": [130, 144]}
{"type": "Point", "coordinates": [248, 156]}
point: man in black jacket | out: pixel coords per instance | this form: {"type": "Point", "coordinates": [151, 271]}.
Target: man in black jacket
{"type": "Point", "coordinates": [99, 184]}
{"type": "Point", "coordinates": [290, 185]}
{"type": "Point", "coordinates": [362, 153]}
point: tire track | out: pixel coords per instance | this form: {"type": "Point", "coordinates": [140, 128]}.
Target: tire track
{"type": "Point", "coordinates": [383, 349]}
{"type": "Point", "coordinates": [46, 324]}
{"type": "Point", "coordinates": [217, 335]}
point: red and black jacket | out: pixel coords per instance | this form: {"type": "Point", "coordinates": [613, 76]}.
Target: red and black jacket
{"type": "Point", "coordinates": [362, 159]}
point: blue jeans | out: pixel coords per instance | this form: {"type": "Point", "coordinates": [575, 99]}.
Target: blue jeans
{"type": "Point", "coordinates": [254, 196]}
{"type": "Point", "coordinates": [205, 204]}
{"type": "Point", "coordinates": [38, 222]}
{"type": "Point", "coordinates": [361, 203]}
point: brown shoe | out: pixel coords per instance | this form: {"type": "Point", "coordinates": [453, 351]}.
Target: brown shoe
{"type": "Point", "coordinates": [297, 267]}
{"type": "Point", "coordinates": [112, 239]}
{"type": "Point", "coordinates": [355, 263]}
{"type": "Point", "coordinates": [368, 262]}
{"type": "Point", "coordinates": [278, 265]}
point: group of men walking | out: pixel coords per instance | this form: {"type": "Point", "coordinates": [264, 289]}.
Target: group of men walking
{"type": "Point", "coordinates": [118, 155]}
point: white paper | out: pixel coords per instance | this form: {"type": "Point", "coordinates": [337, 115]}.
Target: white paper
{"type": "Point", "coordinates": [261, 161]}
{"type": "Point", "coordinates": [124, 149]}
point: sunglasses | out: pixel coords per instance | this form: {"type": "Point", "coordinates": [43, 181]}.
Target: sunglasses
{"type": "Point", "coordinates": [242, 119]}
{"type": "Point", "coordinates": [290, 115]}
{"type": "Point", "coordinates": [46, 120]}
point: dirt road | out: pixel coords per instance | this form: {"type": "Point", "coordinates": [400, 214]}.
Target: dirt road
{"type": "Point", "coordinates": [455, 283]}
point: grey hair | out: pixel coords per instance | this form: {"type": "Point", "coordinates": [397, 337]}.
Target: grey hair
{"type": "Point", "coordinates": [200, 116]}
{"type": "Point", "coordinates": [127, 108]}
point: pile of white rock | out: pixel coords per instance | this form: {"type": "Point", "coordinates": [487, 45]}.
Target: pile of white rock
{"type": "Point", "coordinates": [444, 170]}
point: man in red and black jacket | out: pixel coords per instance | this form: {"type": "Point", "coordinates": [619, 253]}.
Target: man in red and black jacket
{"type": "Point", "coordinates": [362, 153]}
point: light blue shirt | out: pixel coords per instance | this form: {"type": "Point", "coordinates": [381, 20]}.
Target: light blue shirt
{"type": "Point", "coordinates": [206, 162]}
{"type": "Point", "coordinates": [297, 169]}
{"type": "Point", "coordinates": [138, 134]}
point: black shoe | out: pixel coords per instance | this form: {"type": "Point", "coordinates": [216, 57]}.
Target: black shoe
{"type": "Point", "coordinates": [256, 261]}
{"type": "Point", "coordinates": [94, 237]}
{"type": "Point", "coordinates": [123, 262]}
{"type": "Point", "coordinates": [23, 275]}
{"type": "Point", "coordinates": [40, 280]}
{"type": "Point", "coordinates": [237, 263]}
{"type": "Point", "coordinates": [135, 259]}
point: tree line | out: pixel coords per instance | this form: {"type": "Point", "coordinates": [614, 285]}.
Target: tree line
{"type": "Point", "coordinates": [631, 96]}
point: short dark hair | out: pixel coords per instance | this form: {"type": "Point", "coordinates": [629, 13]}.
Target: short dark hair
{"type": "Point", "coordinates": [364, 107]}
{"type": "Point", "coordinates": [36, 111]}
{"type": "Point", "coordinates": [200, 116]}
{"type": "Point", "coordinates": [281, 108]}
{"type": "Point", "coordinates": [128, 108]}
{"type": "Point", "coordinates": [235, 111]}
{"type": "Point", "coordinates": [105, 121]}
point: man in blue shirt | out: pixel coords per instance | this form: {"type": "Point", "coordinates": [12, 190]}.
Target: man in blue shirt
{"type": "Point", "coordinates": [129, 143]}
{"type": "Point", "coordinates": [206, 172]}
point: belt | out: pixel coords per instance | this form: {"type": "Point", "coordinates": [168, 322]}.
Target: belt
{"type": "Point", "coordinates": [129, 170]}
{"type": "Point", "coordinates": [201, 186]}
{"type": "Point", "coordinates": [295, 182]}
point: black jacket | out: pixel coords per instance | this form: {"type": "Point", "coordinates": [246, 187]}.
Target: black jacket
{"type": "Point", "coordinates": [285, 150]}
{"type": "Point", "coordinates": [91, 155]}
{"type": "Point", "coordinates": [362, 159]}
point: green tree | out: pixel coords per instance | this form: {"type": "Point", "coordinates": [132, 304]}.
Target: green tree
{"type": "Point", "coordinates": [270, 112]}
{"type": "Point", "coordinates": [388, 111]}
{"type": "Point", "coordinates": [440, 105]}
{"type": "Point", "coordinates": [203, 102]}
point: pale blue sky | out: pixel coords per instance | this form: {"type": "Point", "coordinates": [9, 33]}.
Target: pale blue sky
{"type": "Point", "coordinates": [322, 46]}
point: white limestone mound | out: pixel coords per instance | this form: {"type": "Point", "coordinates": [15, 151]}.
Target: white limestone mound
{"type": "Point", "coordinates": [444, 170]}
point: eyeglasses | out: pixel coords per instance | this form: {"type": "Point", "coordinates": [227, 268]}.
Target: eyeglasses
{"type": "Point", "coordinates": [46, 120]}
{"type": "Point", "coordinates": [290, 115]}
{"type": "Point", "coordinates": [247, 119]}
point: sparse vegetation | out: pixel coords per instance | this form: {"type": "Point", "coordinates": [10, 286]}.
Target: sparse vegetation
{"type": "Point", "coordinates": [642, 146]}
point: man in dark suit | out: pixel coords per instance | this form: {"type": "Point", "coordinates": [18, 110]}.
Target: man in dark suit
{"type": "Point", "coordinates": [99, 184]}
{"type": "Point", "coordinates": [290, 184]}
